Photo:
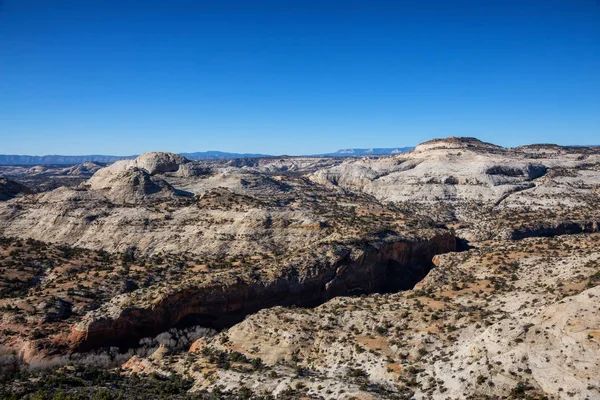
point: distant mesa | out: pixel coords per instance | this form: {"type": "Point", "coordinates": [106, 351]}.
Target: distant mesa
{"type": "Point", "coordinates": [453, 142]}
{"type": "Point", "coordinates": [368, 152]}
{"type": "Point", "coordinates": [220, 155]}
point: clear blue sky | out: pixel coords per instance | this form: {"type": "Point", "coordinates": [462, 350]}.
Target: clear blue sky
{"type": "Point", "coordinates": [127, 76]}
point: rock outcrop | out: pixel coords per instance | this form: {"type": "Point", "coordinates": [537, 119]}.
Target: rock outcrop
{"type": "Point", "coordinates": [85, 169]}
{"type": "Point", "coordinates": [458, 270]}
{"type": "Point", "coordinates": [391, 267]}
{"type": "Point", "coordinates": [153, 163]}
{"type": "Point", "coordinates": [10, 189]}
{"type": "Point", "coordinates": [133, 185]}
{"type": "Point", "coordinates": [458, 143]}
{"type": "Point", "coordinates": [494, 322]}
{"type": "Point", "coordinates": [545, 229]}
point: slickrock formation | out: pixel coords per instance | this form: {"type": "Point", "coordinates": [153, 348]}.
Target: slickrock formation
{"type": "Point", "coordinates": [484, 190]}
{"type": "Point", "coordinates": [497, 321]}
{"type": "Point", "coordinates": [132, 264]}
{"type": "Point", "coordinates": [85, 169]}
{"type": "Point", "coordinates": [455, 171]}
{"type": "Point", "coordinates": [152, 163]}
{"type": "Point", "coordinates": [133, 185]}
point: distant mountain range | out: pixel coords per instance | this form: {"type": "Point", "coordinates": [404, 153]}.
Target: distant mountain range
{"type": "Point", "coordinates": [368, 152]}
{"type": "Point", "coordinates": [219, 155]}
{"type": "Point", "coordinates": [202, 155]}
{"type": "Point", "coordinates": [56, 159]}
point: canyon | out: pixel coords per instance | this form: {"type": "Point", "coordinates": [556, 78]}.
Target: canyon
{"type": "Point", "coordinates": [459, 269]}
{"type": "Point", "coordinates": [221, 305]}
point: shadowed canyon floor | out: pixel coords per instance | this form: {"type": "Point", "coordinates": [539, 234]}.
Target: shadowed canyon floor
{"type": "Point", "coordinates": [295, 277]}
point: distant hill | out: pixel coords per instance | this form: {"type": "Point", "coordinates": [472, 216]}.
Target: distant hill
{"type": "Point", "coordinates": [70, 160]}
{"type": "Point", "coordinates": [368, 152]}
{"type": "Point", "coordinates": [56, 159]}
{"type": "Point", "coordinates": [219, 155]}
{"type": "Point", "coordinates": [6, 159]}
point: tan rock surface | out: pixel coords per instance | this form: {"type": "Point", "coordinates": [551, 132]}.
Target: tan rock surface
{"type": "Point", "coordinates": [164, 245]}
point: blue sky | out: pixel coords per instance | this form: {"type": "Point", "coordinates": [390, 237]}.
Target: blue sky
{"type": "Point", "coordinates": [124, 77]}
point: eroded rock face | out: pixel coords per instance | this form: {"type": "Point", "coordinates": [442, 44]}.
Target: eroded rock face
{"type": "Point", "coordinates": [159, 162]}
{"type": "Point", "coordinates": [457, 143]}
{"type": "Point", "coordinates": [498, 321]}
{"type": "Point", "coordinates": [556, 229]}
{"type": "Point", "coordinates": [391, 267]}
{"type": "Point", "coordinates": [153, 163]}
{"type": "Point", "coordinates": [134, 181]}
{"type": "Point", "coordinates": [216, 242]}
{"type": "Point", "coordinates": [57, 309]}
{"type": "Point", "coordinates": [133, 185]}
{"type": "Point", "coordinates": [481, 190]}
{"type": "Point", "coordinates": [455, 172]}
{"type": "Point", "coordinates": [10, 189]}
{"type": "Point", "coordinates": [85, 169]}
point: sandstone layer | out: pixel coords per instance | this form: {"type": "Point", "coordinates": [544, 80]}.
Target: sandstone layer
{"type": "Point", "coordinates": [307, 266]}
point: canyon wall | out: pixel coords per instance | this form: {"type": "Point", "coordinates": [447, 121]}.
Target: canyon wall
{"type": "Point", "coordinates": [389, 267]}
{"type": "Point", "coordinates": [547, 229]}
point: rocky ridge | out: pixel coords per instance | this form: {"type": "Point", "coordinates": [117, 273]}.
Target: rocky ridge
{"type": "Point", "coordinates": [10, 189]}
